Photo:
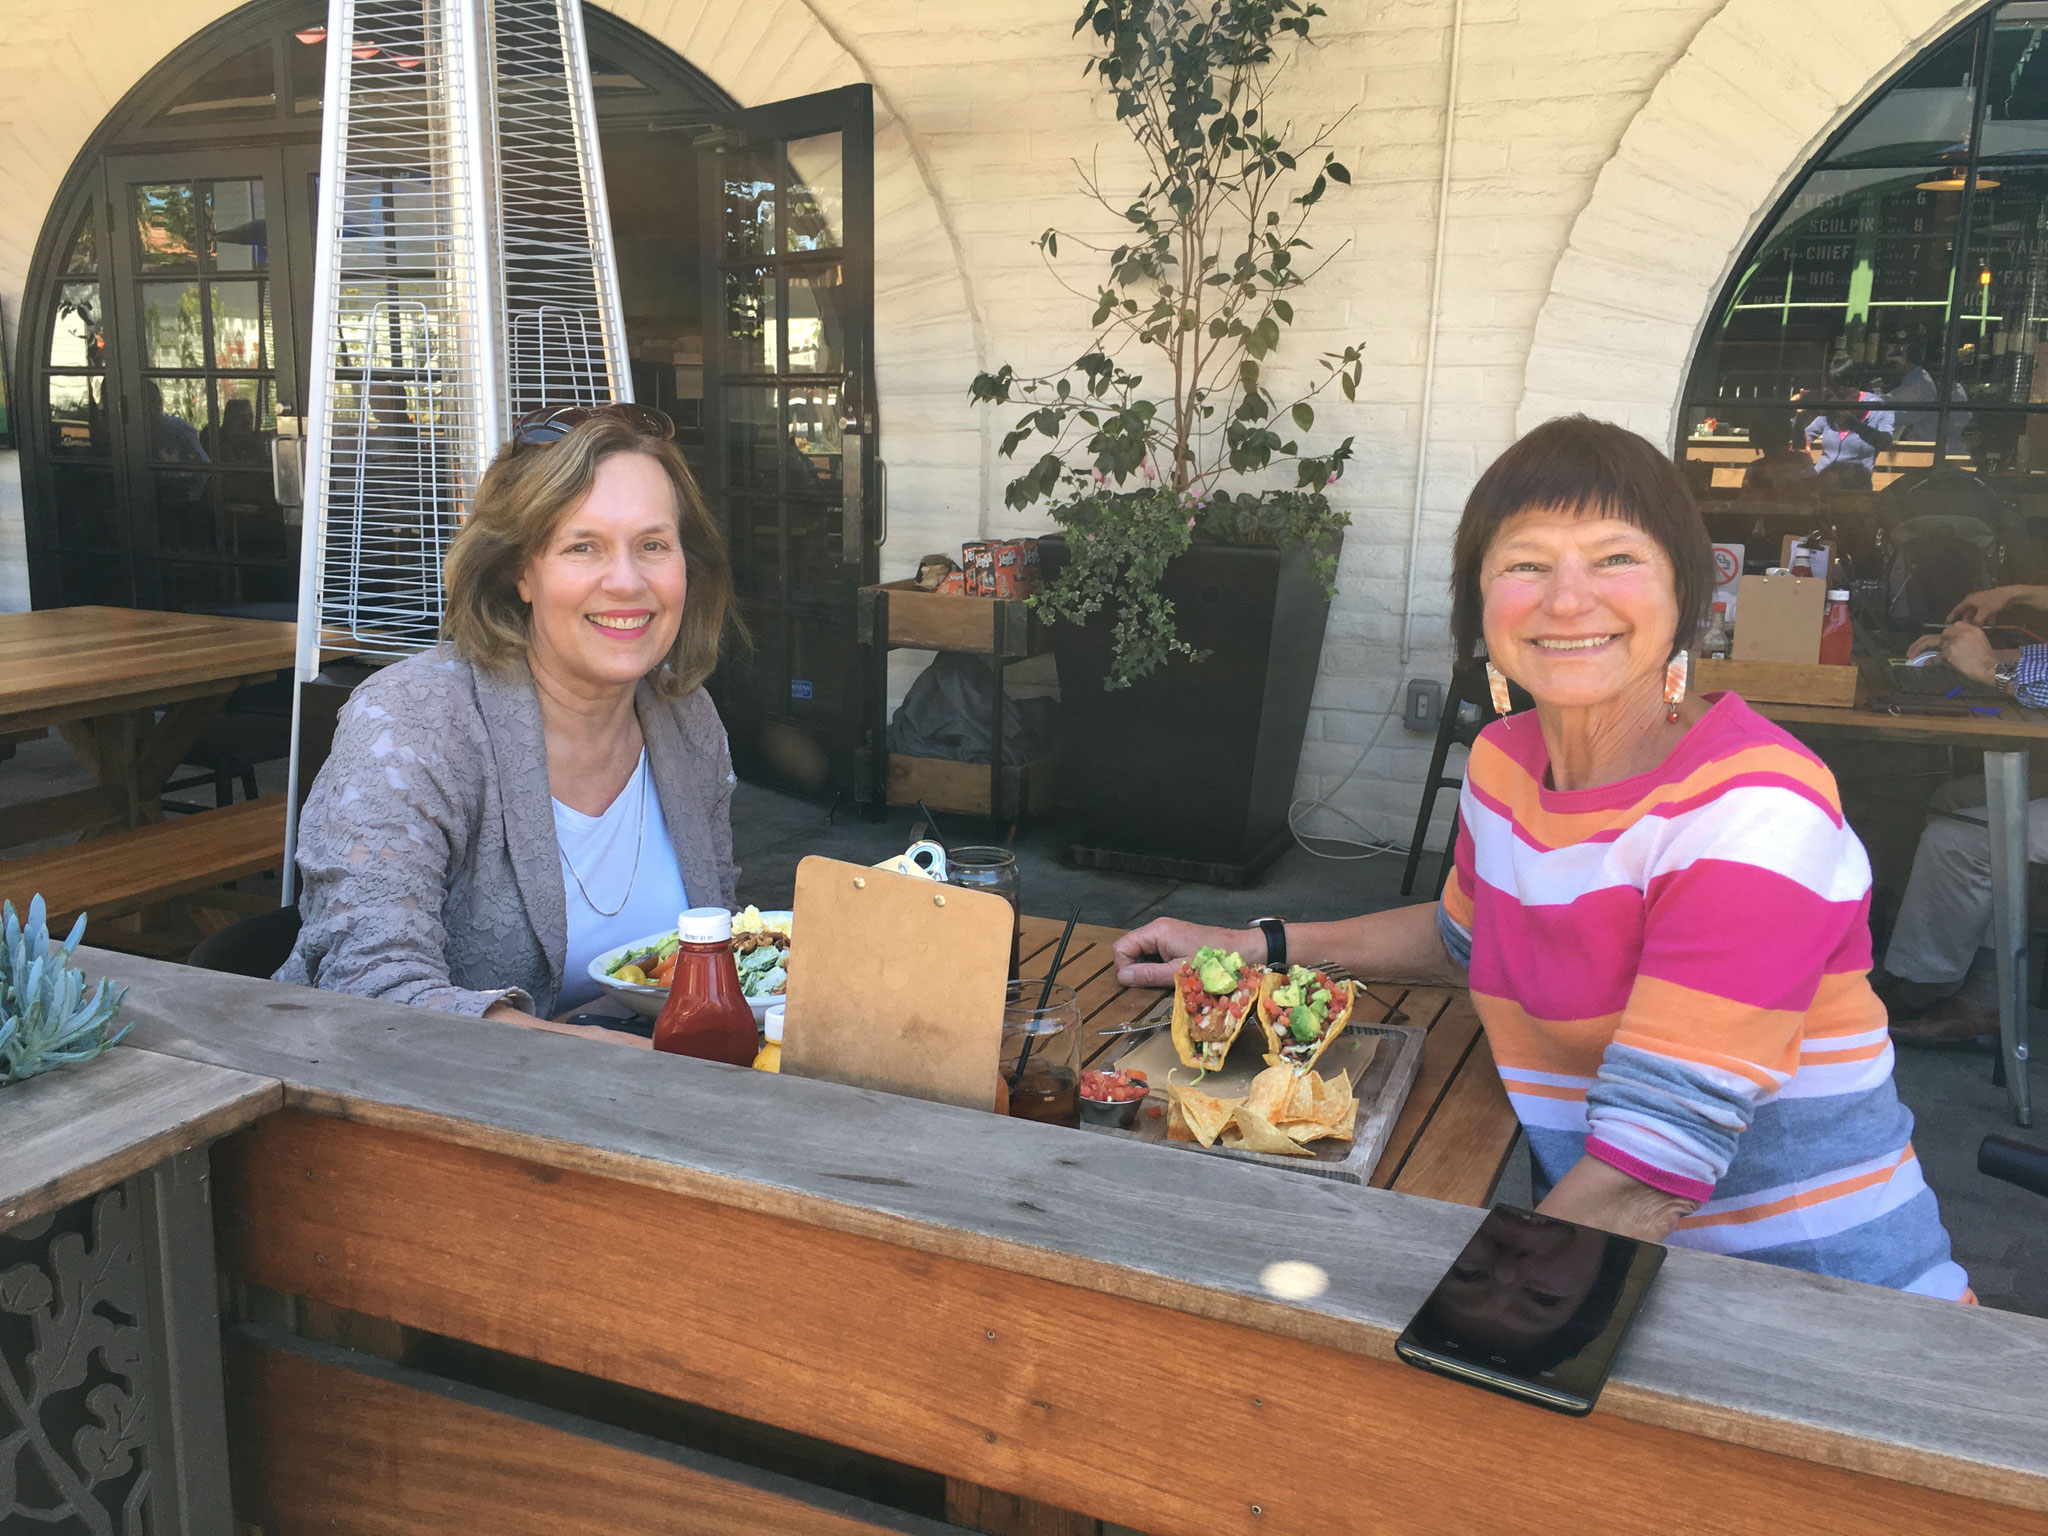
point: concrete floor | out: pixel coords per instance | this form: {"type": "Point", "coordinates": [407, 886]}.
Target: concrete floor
{"type": "Point", "coordinates": [2000, 1233]}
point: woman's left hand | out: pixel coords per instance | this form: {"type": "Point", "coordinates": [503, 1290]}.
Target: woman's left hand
{"type": "Point", "coordinates": [1597, 1194]}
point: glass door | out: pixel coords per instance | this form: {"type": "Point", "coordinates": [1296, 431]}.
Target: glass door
{"type": "Point", "coordinates": [787, 194]}
{"type": "Point", "coordinates": [207, 290]}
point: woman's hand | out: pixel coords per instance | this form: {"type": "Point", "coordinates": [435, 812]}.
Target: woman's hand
{"type": "Point", "coordinates": [1148, 956]}
{"type": "Point", "coordinates": [1597, 1194]}
{"type": "Point", "coordinates": [1984, 607]}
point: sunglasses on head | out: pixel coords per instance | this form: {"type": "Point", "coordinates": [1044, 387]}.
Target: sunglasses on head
{"type": "Point", "coordinates": [551, 423]}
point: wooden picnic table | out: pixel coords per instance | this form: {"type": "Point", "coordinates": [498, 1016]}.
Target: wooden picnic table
{"type": "Point", "coordinates": [1457, 1128]}
{"type": "Point", "coordinates": [99, 675]}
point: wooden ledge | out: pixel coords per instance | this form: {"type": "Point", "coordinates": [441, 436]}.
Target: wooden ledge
{"type": "Point", "coordinates": [72, 1132]}
{"type": "Point", "coordinates": [1943, 1396]}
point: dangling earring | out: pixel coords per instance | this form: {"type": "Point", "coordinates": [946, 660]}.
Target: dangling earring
{"type": "Point", "coordinates": [1675, 672]}
{"type": "Point", "coordinates": [1497, 686]}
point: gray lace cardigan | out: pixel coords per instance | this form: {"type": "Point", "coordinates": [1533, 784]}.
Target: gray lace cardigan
{"type": "Point", "coordinates": [428, 867]}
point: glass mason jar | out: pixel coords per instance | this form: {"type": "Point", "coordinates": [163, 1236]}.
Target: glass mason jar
{"type": "Point", "coordinates": [989, 869]}
{"type": "Point", "coordinates": [1041, 1055]}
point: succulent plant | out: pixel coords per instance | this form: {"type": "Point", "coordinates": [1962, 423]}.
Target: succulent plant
{"type": "Point", "coordinates": [46, 1019]}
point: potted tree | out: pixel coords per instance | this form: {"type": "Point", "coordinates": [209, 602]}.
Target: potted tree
{"type": "Point", "coordinates": [1191, 583]}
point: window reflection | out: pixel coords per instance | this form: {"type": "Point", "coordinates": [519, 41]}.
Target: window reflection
{"type": "Point", "coordinates": [77, 332]}
{"type": "Point", "coordinates": [167, 226]}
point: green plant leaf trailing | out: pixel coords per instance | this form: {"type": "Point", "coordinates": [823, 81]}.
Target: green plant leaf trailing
{"type": "Point", "coordinates": [46, 1019]}
{"type": "Point", "coordinates": [1201, 287]}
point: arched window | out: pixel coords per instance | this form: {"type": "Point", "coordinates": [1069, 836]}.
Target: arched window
{"type": "Point", "coordinates": [1888, 329]}
{"type": "Point", "coordinates": [166, 325]}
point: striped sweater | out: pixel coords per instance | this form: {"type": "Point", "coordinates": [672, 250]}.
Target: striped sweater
{"type": "Point", "coordinates": [1672, 972]}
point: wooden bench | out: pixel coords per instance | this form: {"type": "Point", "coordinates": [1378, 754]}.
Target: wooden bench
{"type": "Point", "coordinates": [125, 872]}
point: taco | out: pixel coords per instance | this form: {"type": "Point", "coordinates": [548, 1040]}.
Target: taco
{"type": "Point", "coordinates": [1302, 1012]}
{"type": "Point", "coordinates": [1213, 994]}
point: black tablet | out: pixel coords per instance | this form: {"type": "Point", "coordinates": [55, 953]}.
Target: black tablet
{"type": "Point", "coordinates": [1534, 1308]}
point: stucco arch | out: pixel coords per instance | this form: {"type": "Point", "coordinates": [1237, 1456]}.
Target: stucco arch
{"type": "Point", "coordinates": [1710, 152]}
{"type": "Point", "coordinates": [928, 336]}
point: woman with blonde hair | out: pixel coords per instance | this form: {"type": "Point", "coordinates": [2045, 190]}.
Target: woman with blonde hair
{"type": "Point", "coordinates": [551, 780]}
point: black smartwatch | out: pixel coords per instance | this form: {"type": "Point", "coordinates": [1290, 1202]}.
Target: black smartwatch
{"type": "Point", "coordinates": [1276, 941]}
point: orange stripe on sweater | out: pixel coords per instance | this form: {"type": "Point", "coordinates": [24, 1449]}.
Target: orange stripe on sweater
{"type": "Point", "coordinates": [1807, 1201]}
{"type": "Point", "coordinates": [1506, 781]}
{"type": "Point", "coordinates": [1541, 1090]}
{"type": "Point", "coordinates": [1682, 1022]}
{"type": "Point", "coordinates": [1569, 1047]}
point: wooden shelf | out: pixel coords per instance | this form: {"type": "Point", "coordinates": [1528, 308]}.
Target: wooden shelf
{"type": "Point", "coordinates": [946, 785]}
{"type": "Point", "coordinates": [950, 621]}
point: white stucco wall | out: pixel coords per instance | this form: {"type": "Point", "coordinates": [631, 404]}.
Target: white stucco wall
{"type": "Point", "coordinates": [1612, 156]}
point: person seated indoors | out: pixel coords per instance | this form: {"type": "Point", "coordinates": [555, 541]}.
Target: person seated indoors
{"type": "Point", "coordinates": [1938, 996]}
{"type": "Point", "coordinates": [1656, 902]}
{"type": "Point", "coordinates": [1849, 439]}
{"type": "Point", "coordinates": [551, 780]}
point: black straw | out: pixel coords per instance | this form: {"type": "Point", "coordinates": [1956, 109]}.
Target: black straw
{"type": "Point", "coordinates": [1059, 956]}
{"type": "Point", "coordinates": [931, 822]}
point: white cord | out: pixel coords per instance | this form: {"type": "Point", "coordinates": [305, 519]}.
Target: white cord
{"type": "Point", "coordinates": [1375, 848]}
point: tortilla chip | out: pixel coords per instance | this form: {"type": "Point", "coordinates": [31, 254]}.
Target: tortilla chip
{"type": "Point", "coordinates": [1271, 1092]}
{"type": "Point", "coordinates": [1258, 1134]}
{"type": "Point", "coordinates": [1203, 1114]}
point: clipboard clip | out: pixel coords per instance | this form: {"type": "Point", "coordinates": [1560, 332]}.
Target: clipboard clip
{"type": "Point", "coordinates": [926, 859]}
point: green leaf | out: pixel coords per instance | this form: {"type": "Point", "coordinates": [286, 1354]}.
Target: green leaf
{"type": "Point", "coordinates": [1284, 310]}
{"type": "Point", "coordinates": [1337, 172]}
{"type": "Point", "coordinates": [1304, 415]}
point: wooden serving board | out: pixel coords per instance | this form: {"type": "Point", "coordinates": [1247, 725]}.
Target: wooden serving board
{"type": "Point", "coordinates": [1381, 1060]}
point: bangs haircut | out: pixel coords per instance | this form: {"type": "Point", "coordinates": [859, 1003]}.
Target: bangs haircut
{"type": "Point", "coordinates": [520, 504]}
{"type": "Point", "coordinates": [1590, 469]}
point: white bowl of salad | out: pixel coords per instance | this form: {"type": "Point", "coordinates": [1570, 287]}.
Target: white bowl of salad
{"type": "Point", "coordinates": [760, 942]}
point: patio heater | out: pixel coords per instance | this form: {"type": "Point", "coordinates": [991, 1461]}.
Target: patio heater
{"type": "Point", "coordinates": [463, 273]}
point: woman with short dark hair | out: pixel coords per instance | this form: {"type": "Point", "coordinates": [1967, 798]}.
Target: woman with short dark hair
{"type": "Point", "coordinates": [1661, 913]}
{"type": "Point", "coordinates": [551, 781]}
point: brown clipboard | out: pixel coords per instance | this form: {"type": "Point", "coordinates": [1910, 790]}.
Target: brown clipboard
{"type": "Point", "coordinates": [897, 982]}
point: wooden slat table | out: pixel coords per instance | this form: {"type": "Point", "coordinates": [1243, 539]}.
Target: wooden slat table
{"type": "Point", "coordinates": [99, 675]}
{"type": "Point", "coordinates": [2005, 738]}
{"type": "Point", "coordinates": [1453, 1136]}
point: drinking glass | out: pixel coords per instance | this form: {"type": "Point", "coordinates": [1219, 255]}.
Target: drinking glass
{"type": "Point", "coordinates": [989, 869]}
{"type": "Point", "coordinates": [1045, 1083]}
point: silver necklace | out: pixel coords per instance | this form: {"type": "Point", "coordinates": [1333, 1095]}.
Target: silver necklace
{"type": "Point", "coordinates": [643, 774]}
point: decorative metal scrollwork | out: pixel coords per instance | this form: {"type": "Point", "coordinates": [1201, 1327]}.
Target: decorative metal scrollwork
{"type": "Point", "coordinates": [74, 1404]}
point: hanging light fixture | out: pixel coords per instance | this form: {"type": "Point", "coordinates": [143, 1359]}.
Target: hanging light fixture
{"type": "Point", "coordinates": [311, 35]}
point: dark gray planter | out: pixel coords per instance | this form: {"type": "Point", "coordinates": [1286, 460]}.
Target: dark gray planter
{"type": "Point", "coordinates": [1188, 773]}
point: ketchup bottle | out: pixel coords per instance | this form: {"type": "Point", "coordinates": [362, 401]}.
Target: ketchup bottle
{"type": "Point", "coordinates": [706, 1015]}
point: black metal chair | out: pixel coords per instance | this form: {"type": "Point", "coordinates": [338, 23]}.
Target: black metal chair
{"type": "Point", "coordinates": [2015, 1162]}
{"type": "Point", "coordinates": [1468, 686]}
{"type": "Point", "coordinates": [252, 946]}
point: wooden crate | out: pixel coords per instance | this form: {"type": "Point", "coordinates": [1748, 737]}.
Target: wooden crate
{"type": "Point", "coordinates": [953, 621]}
{"type": "Point", "coordinates": [945, 785]}
{"type": "Point", "coordinates": [1779, 682]}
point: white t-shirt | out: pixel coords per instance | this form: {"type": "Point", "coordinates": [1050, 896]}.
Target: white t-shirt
{"type": "Point", "coordinates": [599, 851]}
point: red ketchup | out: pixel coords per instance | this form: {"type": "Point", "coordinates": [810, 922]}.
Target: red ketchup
{"type": "Point", "coordinates": [1837, 638]}
{"type": "Point", "coordinates": [706, 1015]}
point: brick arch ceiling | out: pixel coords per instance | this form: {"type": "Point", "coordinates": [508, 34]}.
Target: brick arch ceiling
{"type": "Point", "coordinates": [1729, 127]}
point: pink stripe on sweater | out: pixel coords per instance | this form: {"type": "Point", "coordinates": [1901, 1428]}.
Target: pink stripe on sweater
{"type": "Point", "coordinates": [1785, 929]}
{"type": "Point", "coordinates": [1646, 1173]}
{"type": "Point", "coordinates": [1572, 961]}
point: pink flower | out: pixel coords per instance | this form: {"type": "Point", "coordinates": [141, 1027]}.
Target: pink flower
{"type": "Point", "coordinates": [1191, 522]}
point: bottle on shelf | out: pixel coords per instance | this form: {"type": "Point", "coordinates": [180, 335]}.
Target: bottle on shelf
{"type": "Point", "coordinates": [1718, 642]}
{"type": "Point", "coordinates": [1837, 638]}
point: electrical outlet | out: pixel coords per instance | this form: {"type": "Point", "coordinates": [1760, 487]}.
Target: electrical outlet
{"type": "Point", "coordinates": [1425, 705]}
